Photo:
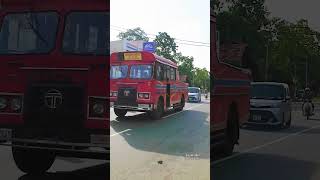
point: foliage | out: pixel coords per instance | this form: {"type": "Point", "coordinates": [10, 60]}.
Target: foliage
{"type": "Point", "coordinates": [166, 45]}
{"type": "Point", "coordinates": [135, 34]}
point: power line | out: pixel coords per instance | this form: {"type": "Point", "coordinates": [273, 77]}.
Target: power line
{"type": "Point", "coordinates": [177, 39]}
{"type": "Point", "coordinates": [182, 43]}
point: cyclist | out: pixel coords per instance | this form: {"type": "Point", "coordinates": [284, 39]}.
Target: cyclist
{"type": "Point", "coordinates": [307, 97]}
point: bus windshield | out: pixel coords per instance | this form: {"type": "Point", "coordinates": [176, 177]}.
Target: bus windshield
{"type": "Point", "coordinates": [87, 33]}
{"type": "Point", "coordinates": [28, 33]}
{"type": "Point", "coordinates": [141, 71]}
{"type": "Point", "coordinates": [118, 72]}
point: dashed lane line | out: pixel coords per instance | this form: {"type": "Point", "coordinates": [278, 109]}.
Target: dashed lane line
{"type": "Point", "coordinates": [263, 145]}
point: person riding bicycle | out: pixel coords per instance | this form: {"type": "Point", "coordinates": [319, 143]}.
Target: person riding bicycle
{"type": "Point", "coordinates": [307, 97]}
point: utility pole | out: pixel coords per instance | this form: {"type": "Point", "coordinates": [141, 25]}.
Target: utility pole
{"type": "Point", "coordinates": [266, 65]}
{"type": "Point", "coordinates": [306, 72]}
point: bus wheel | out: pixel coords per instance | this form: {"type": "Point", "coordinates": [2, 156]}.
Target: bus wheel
{"type": "Point", "coordinates": [231, 134]}
{"type": "Point", "coordinates": [182, 104]}
{"type": "Point", "coordinates": [157, 113]}
{"type": "Point", "coordinates": [120, 112]}
{"type": "Point", "coordinates": [33, 161]}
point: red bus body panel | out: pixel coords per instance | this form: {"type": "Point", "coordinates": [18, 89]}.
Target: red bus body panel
{"type": "Point", "coordinates": [17, 71]}
{"type": "Point", "coordinates": [88, 74]}
{"type": "Point", "coordinates": [231, 86]}
{"type": "Point", "coordinates": [152, 86]}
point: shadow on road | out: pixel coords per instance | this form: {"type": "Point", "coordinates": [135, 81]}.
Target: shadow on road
{"type": "Point", "coordinates": [254, 166]}
{"type": "Point", "coordinates": [180, 133]}
{"type": "Point", "coordinates": [99, 172]}
{"type": "Point", "coordinates": [265, 128]}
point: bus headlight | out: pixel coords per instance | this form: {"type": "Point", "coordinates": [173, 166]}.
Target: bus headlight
{"type": "Point", "coordinates": [16, 104]}
{"type": "Point", "coordinates": [3, 103]}
{"type": "Point", "coordinates": [98, 108]}
{"type": "Point", "coordinates": [113, 94]}
{"type": "Point", "coordinates": [143, 95]}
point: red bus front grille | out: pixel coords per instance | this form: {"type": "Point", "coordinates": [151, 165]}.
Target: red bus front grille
{"type": "Point", "coordinates": [127, 97]}
{"type": "Point", "coordinates": [45, 109]}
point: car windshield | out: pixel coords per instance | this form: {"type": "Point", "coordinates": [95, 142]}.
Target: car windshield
{"type": "Point", "coordinates": [193, 90]}
{"type": "Point", "coordinates": [262, 91]}
{"type": "Point", "coordinates": [28, 33]}
{"type": "Point", "coordinates": [141, 71]}
{"type": "Point", "coordinates": [87, 33]}
{"type": "Point", "coordinates": [118, 72]}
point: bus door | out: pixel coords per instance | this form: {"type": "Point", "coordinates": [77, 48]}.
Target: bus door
{"type": "Point", "coordinates": [168, 89]}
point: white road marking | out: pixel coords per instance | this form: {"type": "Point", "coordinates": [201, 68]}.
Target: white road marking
{"type": "Point", "coordinates": [162, 117]}
{"type": "Point", "coordinates": [120, 132]}
{"type": "Point", "coordinates": [183, 110]}
{"type": "Point", "coordinates": [264, 145]}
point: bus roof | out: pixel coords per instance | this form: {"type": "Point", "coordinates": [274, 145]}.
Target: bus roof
{"type": "Point", "coordinates": [146, 57]}
{"type": "Point", "coordinates": [43, 5]}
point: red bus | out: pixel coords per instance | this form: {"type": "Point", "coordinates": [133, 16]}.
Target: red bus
{"type": "Point", "coordinates": [145, 82]}
{"type": "Point", "coordinates": [54, 86]}
{"type": "Point", "coordinates": [230, 98]}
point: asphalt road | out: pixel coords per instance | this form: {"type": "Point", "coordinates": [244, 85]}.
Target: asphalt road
{"type": "Point", "coordinates": [174, 147]}
{"type": "Point", "coordinates": [63, 168]}
{"type": "Point", "coordinates": [278, 154]}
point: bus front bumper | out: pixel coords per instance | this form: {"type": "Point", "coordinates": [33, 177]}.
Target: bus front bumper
{"type": "Point", "coordinates": [140, 107]}
{"type": "Point", "coordinates": [97, 148]}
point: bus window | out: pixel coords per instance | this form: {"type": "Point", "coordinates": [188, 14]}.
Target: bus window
{"type": "Point", "coordinates": [118, 72]}
{"type": "Point", "coordinates": [172, 74]}
{"type": "Point", "coordinates": [26, 33]}
{"type": "Point", "coordinates": [168, 72]}
{"type": "Point", "coordinates": [86, 33]}
{"type": "Point", "coordinates": [160, 72]}
{"type": "Point", "coordinates": [141, 72]}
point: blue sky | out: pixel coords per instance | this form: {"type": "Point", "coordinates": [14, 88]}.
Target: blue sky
{"type": "Point", "coordinates": [181, 19]}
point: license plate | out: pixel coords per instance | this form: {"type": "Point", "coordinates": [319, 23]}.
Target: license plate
{"type": "Point", "coordinates": [5, 134]}
{"type": "Point", "coordinates": [99, 139]}
{"type": "Point", "coordinates": [256, 118]}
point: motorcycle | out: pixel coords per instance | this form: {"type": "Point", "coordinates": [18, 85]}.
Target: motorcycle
{"type": "Point", "coordinates": [307, 109]}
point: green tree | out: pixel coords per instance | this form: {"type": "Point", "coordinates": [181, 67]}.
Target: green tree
{"type": "Point", "coordinates": [135, 34]}
{"type": "Point", "coordinates": [185, 66]}
{"type": "Point", "coordinates": [201, 78]}
{"type": "Point", "coordinates": [166, 45]}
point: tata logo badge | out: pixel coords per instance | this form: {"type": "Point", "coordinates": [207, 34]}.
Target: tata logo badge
{"type": "Point", "coordinates": [53, 99]}
{"type": "Point", "coordinates": [126, 92]}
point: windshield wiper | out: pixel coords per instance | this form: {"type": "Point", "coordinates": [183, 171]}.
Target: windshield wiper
{"type": "Point", "coordinates": [38, 34]}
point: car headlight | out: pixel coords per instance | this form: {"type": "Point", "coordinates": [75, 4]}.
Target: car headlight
{"type": "Point", "coordinates": [3, 103]}
{"type": "Point", "coordinates": [98, 108]}
{"type": "Point", "coordinates": [16, 104]}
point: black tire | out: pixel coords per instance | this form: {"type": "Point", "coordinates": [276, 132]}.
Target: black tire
{"type": "Point", "coordinates": [289, 122]}
{"type": "Point", "coordinates": [231, 134]}
{"type": "Point", "coordinates": [282, 125]}
{"type": "Point", "coordinates": [182, 104]}
{"type": "Point", "coordinates": [121, 113]}
{"type": "Point", "coordinates": [157, 113]}
{"type": "Point", "coordinates": [33, 161]}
